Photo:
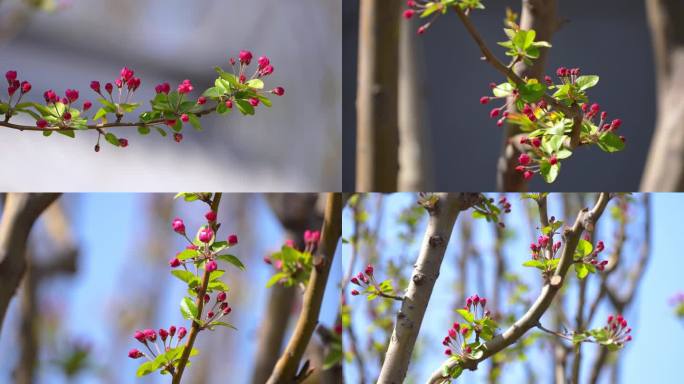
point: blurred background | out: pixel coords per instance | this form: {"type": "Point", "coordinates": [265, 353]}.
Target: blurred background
{"type": "Point", "coordinates": [458, 144]}
{"type": "Point", "coordinates": [99, 271]}
{"type": "Point", "coordinates": [389, 231]}
{"type": "Point", "coordinates": [293, 146]}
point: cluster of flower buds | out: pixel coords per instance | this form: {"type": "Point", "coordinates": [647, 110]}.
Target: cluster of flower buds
{"type": "Point", "coordinates": [264, 69]}
{"type": "Point", "coordinates": [567, 75]}
{"type": "Point", "coordinates": [541, 244]}
{"type": "Point", "coordinates": [500, 113]}
{"type": "Point", "coordinates": [311, 240]}
{"type": "Point", "coordinates": [220, 306]}
{"type": "Point", "coordinates": [456, 341]}
{"type": "Point", "coordinates": [473, 303]}
{"type": "Point", "coordinates": [205, 235]}
{"type": "Point", "coordinates": [419, 6]}
{"type": "Point", "coordinates": [530, 162]}
{"type": "Point", "coordinates": [363, 279]}
{"type": "Point", "coordinates": [126, 80]}
{"type": "Point", "coordinates": [505, 204]}
{"type": "Point", "coordinates": [591, 111]}
{"type": "Point", "coordinates": [592, 258]}
{"type": "Point", "coordinates": [14, 84]}
{"type": "Point", "coordinates": [157, 342]}
{"type": "Point", "coordinates": [618, 330]}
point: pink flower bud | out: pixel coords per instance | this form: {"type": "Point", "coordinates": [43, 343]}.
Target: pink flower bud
{"type": "Point", "coordinates": [66, 116]}
{"type": "Point", "coordinates": [150, 334]}
{"type": "Point", "coordinates": [163, 334]}
{"type": "Point", "coordinates": [452, 333]}
{"type": "Point", "coordinates": [140, 336]}
{"type": "Point", "coordinates": [11, 76]}
{"type": "Point", "coordinates": [267, 70]}
{"type": "Point", "coordinates": [135, 354]}
{"type": "Point", "coordinates": [109, 88]}
{"type": "Point", "coordinates": [123, 143]}
{"type": "Point", "coordinates": [177, 137]}
{"type": "Point", "coordinates": [25, 87]}
{"type": "Point", "coordinates": [245, 57]}
{"type": "Point", "coordinates": [178, 225]}
{"type": "Point", "coordinates": [369, 270]}
{"type": "Point", "coordinates": [528, 175]}
{"type": "Point", "coordinates": [210, 266]}
{"type": "Point", "coordinates": [210, 216]}
{"type": "Point", "coordinates": [409, 13]}
{"type": "Point", "coordinates": [263, 62]}
{"type": "Point", "coordinates": [464, 331]}
{"type": "Point", "coordinates": [253, 101]}
{"type": "Point", "coordinates": [354, 292]}
{"type": "Point", "coordinates": [72, 95]}
{"type": "Point", "coordinates": [210, 314]}
{"type": "Point", "coordinates": [484, 100]}
{"type": "Point", "coordinates": [229, 104]}
{"type": "Point", "coordinates": [126, 74]}
{"type": "Point", "coordinates": [447, 352]}
{"type": "Point", "coordinates": [41, 123]}
{"type": "Point", "coordinates": [201, 100]}
{"type": "Point", "coordinates": [227, 310]}
{"type": "Point", "coordinates": [95, 86]}
{"type": "Point", "coordinates": [278, 91]}
{"type": "Point", "coordinates": [185, 118]}
{"type": "Point", "coordinates": [524, 159]}
{"type": "Point", "coordinates": [174, 262]}
{"type": "Point", "coordinates": [232, 239]}
{"type": "Point", "coordinates": [354, 280]}
{"type": "Point", "coordinates": [205, 235]}
{"type": "Point", "coordinates": [86, 105]}
{"type": "Point", "coordinates": [172, 330]}
{"type": "Point", "coordinates": [181, 332]}
{"type": "Point", "coordinates": [185, 87]}
{"type": "Point", "coordinates": [494, 113]}
{"type": "Point", "coordinates": [221, 297]}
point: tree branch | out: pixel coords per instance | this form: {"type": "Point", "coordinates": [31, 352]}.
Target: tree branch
{"type": "Point", "coordinates": [426, 270]}
{"type": "Point", "coordinates": [199, 303]}
{"type": "Point", "coordinates": [586, 220]}
{"type": "Point", "coordinates": [20, 212]}
{"type": "Point", "coordinates": [285, 370]}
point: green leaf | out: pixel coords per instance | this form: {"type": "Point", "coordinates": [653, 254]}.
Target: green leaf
{"type": "Point", "coordinates": [535, 263]}
{"type": "Point", "coordinates": [245, 107]}
{"type": "Point", "coordinates": [276, 278]}
{"type": "Point", "coordinates": [187, 254]}
{"type": "Point", "coordinates": [188, 309]}
{"type": "Point", "coordinates": [232, 260]}
{"type": "Point", "coordinates": [503, 90]}
{"type": "Point", "coordinates": [586, 82]}
{"type": "Point", "coordinates": [334, 357]}
{"type": "Point", "coordinates": [549, 172]}
{"type": "Point", "coordinates": [183, 275]}
{"type": "Point", "coordinates": [584, 248]}
{"type": "Point", "coordinates": [214, 92]}
{"type": "Point", "coordinates": [466, 315]}
{"type": "Point", "coordinates": [223, 324]}
{"type": "Point", "coordinates": [195, 121]}
{"type": "Point", "coordinates": [112, 139]}
{"type": "Point", "coordinates": [108, 106]}
{"type": "Point", "coordinates": [610, 142]}
{"type": "Point", "coordinates": [129, 107]}
{"type": "Point", "coordinates": [256, 83]}
{"type": "Point", "coordinates": [67, 133]}
{"type": "Point", "coordinates": [532, 92]}
{"type": "Point", "coordinates": [581, 270]}
{"type": "Point", "coordinates": [143, 130]}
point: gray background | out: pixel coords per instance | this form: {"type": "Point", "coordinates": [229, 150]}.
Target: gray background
{"type": "Point", "coordinates": [294, 146]}
{"type": "Point", "coordinates": [608, 38]}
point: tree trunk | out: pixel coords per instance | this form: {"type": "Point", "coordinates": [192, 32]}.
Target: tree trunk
{"type": "Point", "coordinates": [665, 164]}
{"type": "Point", "coordinates": [377, 162]}
{"type": "Point", "coordinates": [415, 155]}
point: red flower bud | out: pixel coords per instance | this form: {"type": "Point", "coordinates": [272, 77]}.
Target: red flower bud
{"type": "Point", "coordinates": [178, 225]}
{"type": "Point", "coordinates": [232, 239]}
{"type": "Point", "coordinates": [221, 297]}
{"type": "Point", "coordinates": [210, 266]}
{"type": "Point", "coordinates": [205, 235]}
{"type": "Point", "coordinates": [185, 118]}
{"type": "Point", "coordinates": [135, 354]}
{"type": "Point", "coordinates": [245, 57]}
{"type": "Point", "coordinates": [278, 91]}
{"type": "Point", "coordinates": [123, 143]}
{"type": "Point", "coordinates": [174, 262]}
{"type": "Point", "coordinates": [181, 332]}
{"type": "Point", "coordinates": [178, 137]}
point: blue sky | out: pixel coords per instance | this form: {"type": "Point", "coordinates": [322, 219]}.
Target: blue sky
{"type": "Point", "coordinates": [656, 331]}
{"type": "Point", "coordinates": [112, 230]}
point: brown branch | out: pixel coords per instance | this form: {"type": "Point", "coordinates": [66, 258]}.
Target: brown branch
{"type": "Point", "coordinates": [377, 127]}
{"type": "Point", "coordinates": [285, 370]}
{"type": "Point", "coordinates": [199, 303]}
{"type": "Point", "coordinates": [425, 272]}
{"type": "Point", "coordinates": [20, 212]}
{"type": "Point", "coordinates": [296, 213]}
{"type": "Point", "coordinates": [586, 220]}
{"type": "Point", "coordinates": [97, 127]}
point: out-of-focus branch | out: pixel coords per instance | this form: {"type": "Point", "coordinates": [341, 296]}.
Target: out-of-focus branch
{"type": "Point", "coordinates": [285, 370]}
{"type": "Point", "coordinates": [541, 16]}
{"type": "Point", "coordinates": [377, 130]}
{"type": "Point", "coordinates": [622, 301]}
{"type": "Point", "coordinates": [665, 164]}
{"type": "Point", "coordinates": [20, 211]}
{"type": "Point", "coordinates": [296, 213]}
{"type": "Point", "coordinates": [62, 262]}
{"type": "Point", "coordinates": [586, 220]}
{"type": "Point", "coordinates": [425, 272]}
